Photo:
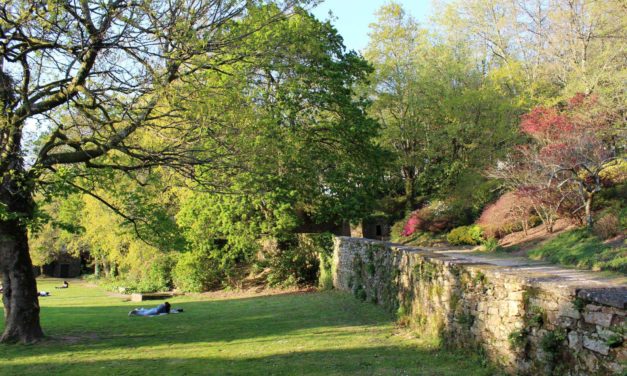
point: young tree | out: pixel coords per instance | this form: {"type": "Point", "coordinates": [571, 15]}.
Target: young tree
{"type": "Point", "coordinates": [304, 138]}
{"type": "Point", "coordinates": [97, 76]}
{"type": "Point", "coordinates": [441, 111]}
{"type": "Point", "coordinates": [396, 47]}
{"type": "Point", "coordinates": [561, 171]}
{"type": "Point", "coordinates": [576, 147]}
{"type": "Point", "coordinates": [562, 46]}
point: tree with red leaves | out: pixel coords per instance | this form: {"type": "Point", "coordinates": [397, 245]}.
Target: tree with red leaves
{"type": "Point", "coordinates": [560, 171]}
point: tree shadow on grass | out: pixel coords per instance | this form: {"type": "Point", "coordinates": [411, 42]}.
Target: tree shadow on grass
{"type": "Point", "coordinates": [83, 328]}
{"type": "Point", "coordinates": [381, 360]}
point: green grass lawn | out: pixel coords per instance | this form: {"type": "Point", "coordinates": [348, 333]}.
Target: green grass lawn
{"type": "Point", "coordinates": [328, 333]}
{"type": "Point", "coordinates": [582, 249]}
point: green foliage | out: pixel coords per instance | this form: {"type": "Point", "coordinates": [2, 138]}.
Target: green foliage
{"type": "Point", "coordinates": [552, 341]}
{"type": "Point", "coordinates": [374, 299]}
{"type": "Point", "coordinates": [360, 293]}
{"type": "Point", "coordinates": [612, 201]}
{"type": "Point", "coordinates": [579, 304]}
{"type": "Point", "coordinates": [583, 250]}
{"type": "Point", "coordinates": [325, 277]}
{"type": "Point", "coordinates": [61, 232]}
{"type": "Point", "coordinates": [302, 137]}
{"type": "Point", "coordinates": [234, 221]}
{"type": "Point", "coordinates": [297, 261]}
{"type": "Point", "coordinates": [436, 105]}
{"type": "Point", "coordinates": [303, 142]}
{"type": "Point", "coordinates": [517, 339]}
{"type": "Point", "coordinates": [454, 301]}
{"type": "Point", "coordinates": [288, 141]}
{"type": "Point", "coordinates": [490, 244]}
{"type": "Point", "coordinates": [196, 271]}
{"type": "Point", "coordinates": [401, 312]}
{"type": "Point", "coordinates": [371, 269]}
{"type": "Point", "coordinates": [536, 317]}
{"type": "Point", "coordinates": [473, 192]}
{"type": "Point", "coordinates": [467, 235]}
{"type": "Point", "coordinates": [397, 229]}
{"type": "Point", "coordinates": [158, 275]}
{"type": "Point", "coordinates": [466, 320]}
{"type": "Point", "coordinates": [426, 271]}
{"type": "Point", "coordinates": [615, 340]}
{"type": "Point", "coordinates": [479, 279]}
{"type": "Point", "coordinates": [142, 268]}
{"type": "Point", "coordinates": [323, 244]}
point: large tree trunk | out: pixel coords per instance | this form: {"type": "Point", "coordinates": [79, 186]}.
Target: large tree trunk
{"type": "Point", "coordinates": [20, 298]}
{"type": "Point", "coordinates": [96, 267]}
{"type": "Point", "coordinates": [410, 180]}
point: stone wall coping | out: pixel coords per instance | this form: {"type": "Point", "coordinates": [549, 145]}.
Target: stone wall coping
{"type": "Point", "coordinates": [590, 286]}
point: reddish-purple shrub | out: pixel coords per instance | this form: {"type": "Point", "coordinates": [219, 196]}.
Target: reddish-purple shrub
{"type": "Point", "coordinates": [411, 226]}
{"type": "Point", "coordinates": [434, 217]}
{"type": "Point", "coordinates": [506, 215]}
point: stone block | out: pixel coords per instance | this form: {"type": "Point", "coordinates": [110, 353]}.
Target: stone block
{"type": "Point", "coordinates": [604, 333]}
{"type": "Point", "coordinates": [516, 295]}
{"type": "Point", "coordinates": [621, 354]}
{"type": "Point", "coordinates": [513, 287]}
{"type": "Point", "coordinates": [618, 320]}
{"type": "Point", "coordinates": [137, 297]}
{"type": "Point", "coordinates": [574, 340]}
{"type": "Point", "coordinates": [565, 322]}
{"type": "Point", "coordinates": [518, 324]}
{"type": "Point", "coordinates": [592, 308]}
{"type": "Point", "coordinates": [599, 318]}
{"type": "Point", "coordinates": [550, 305]}
{"type": "Point", "coordinates": [614, 297]}
{"type": "Point", "coordinates": [569, 311]}
{"type": "Point", "coordinates": [515, 308]}
{"type": "Point", "coordinates": [615, 368]}
{"type": "Point", "coordinates": [590, 360]}
{"type": "Point", "coordinates": [596, 345]}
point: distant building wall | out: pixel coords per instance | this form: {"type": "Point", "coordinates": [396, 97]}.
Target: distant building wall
{"type": "Point", "coordinates": [65, 266]}
{"type": "Point", "coordinates": [372, 228]}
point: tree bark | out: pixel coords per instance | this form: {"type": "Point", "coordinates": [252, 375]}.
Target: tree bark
{"type": "Point", "coordinates": [20, 298]}
{"type": "Point", "coordinates": [409, 177]}
{"type": "Point", "coordinates": [588, 207]}
{"type": "Point", "coordinates": [96, 268]}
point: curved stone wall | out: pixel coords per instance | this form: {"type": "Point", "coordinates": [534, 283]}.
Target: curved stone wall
{"type": "Point", "coordinates": [538, 324]}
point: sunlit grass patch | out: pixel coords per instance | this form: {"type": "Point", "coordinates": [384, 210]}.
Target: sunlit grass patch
{"type": "Point", "coordinates": [330, 333]}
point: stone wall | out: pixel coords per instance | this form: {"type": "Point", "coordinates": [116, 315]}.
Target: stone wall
{"type": "Point", "coordinates": [530, 325]}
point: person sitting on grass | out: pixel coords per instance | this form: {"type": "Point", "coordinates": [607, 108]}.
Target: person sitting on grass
{"type": "Point", "coordinates": [63, 286]}
{"type": "Point", "coordinates": [161, 309]}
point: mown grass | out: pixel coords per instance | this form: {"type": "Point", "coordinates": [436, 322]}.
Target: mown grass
{"type": "Point", "coordinates": [330, 333]}
{"type": "Point", "coordinates": [582, 249]}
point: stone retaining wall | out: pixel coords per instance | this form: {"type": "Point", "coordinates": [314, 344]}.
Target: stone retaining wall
{"type": "Point", "coordinates": [529, 325]}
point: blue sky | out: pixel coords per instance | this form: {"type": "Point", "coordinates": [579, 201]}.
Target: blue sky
{"type": "Point", "coordinates": [354, 16]}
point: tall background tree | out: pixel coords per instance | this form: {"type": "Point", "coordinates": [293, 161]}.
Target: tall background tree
{"type": "Point", "coordinates": [443, 110]}
{"type": "Point", "coordinates": [559, 47]}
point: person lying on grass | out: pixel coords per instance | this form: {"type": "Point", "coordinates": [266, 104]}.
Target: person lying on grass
{"type": "Point", "coordinates": [63, 286]}
{"type": "Point", "coordinates": [161, 309]}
